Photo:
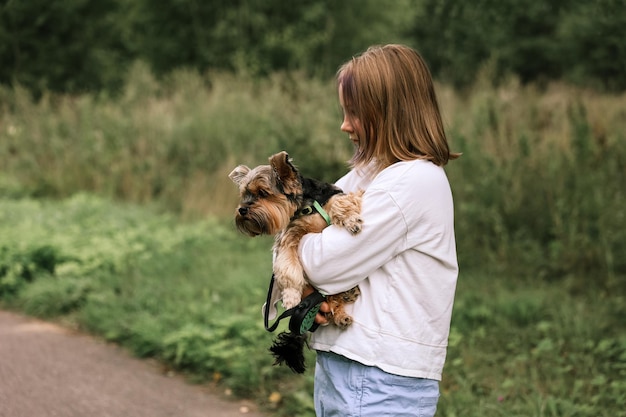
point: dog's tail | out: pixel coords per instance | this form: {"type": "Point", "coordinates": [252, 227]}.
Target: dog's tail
{"type": "Point", "coordinates": [288, 348]}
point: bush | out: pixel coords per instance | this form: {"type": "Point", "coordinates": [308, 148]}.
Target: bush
{"type": "Point", "coordinates": [535, 186]}
{"type": "Point", "coordinates": [174, 142]}
{"type": "Point", "coordinates": [19, 267]}
{"type": "Point", "coordinates": [189, 295]}
{"type": "Point", "coordinates": [73, 46]}
{"type": "Point", "coordinates": [537, 42]}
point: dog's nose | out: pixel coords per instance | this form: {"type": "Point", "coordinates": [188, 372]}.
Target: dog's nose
{"type": "Point", "coordinates": [243, 210]}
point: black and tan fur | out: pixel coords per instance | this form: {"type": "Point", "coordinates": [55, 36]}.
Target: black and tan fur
{"type": "Point", "coordinates": [276, 200]}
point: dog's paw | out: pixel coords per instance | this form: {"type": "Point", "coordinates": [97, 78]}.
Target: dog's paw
{"type": "Point", "coordinates": [291, 298]}
{"type": "Point", "coordinates": [354, 224]}
{"type": "Point", "coordinates": [342, 321]}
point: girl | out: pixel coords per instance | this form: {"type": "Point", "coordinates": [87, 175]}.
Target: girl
{"type": "Point", "coordinates": [389, 361]}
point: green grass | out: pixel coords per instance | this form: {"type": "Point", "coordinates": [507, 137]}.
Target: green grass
{"type": "Point", "coordinates": [189, 295]}
{"type": "Point", "coordinates": [527, 349]}
{"type": "Point", "coordinates": [108, 222]}
{"type": "Point", "coordinates": [539, 185]}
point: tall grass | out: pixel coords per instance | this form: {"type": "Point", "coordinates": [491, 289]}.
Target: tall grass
{"type": "Point", "coordinates": [189, 295]}
{"type": "Point", "coordinates": [540, 183]}
{"type": "Point", "coordinates": [538, 326]}
{"type": "Point", "coordinates": [172, 141]}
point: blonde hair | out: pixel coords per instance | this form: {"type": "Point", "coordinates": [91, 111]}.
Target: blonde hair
{"type": "Point", "coordinates": [390, 91]}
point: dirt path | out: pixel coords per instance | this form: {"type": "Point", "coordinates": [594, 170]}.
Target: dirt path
{"type": "Point", "coordinates": [46, 370]}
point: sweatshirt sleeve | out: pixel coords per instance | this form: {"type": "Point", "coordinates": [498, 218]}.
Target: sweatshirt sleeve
{"type": "Point", "coordinates": [335, 261]}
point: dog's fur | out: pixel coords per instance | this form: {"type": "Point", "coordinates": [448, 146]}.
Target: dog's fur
{"type": "Point", "coordinates": [272, 197]}
{"type": "Point", "coordinates": [276, 200]}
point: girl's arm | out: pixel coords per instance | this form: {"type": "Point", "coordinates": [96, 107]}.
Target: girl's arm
{"type": "Point", "coordinates": [336, 261]}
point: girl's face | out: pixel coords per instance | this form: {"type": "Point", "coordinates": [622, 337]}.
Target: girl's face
{"type": "Point", "coordinates": [351, 124]}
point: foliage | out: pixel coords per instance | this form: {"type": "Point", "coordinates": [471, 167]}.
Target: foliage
{"type": "Point", "coordinates": [594, 44]}
{"type": "Point", "coordinates": [540, 220]}
{"type": "Point", "coordinates": [181, 293]}
{"type": "Point", "coordinates": [19, 268]}
{"type": "Point", "coordinates": [539, 183]}
{"type": "Point", "coordinates": [188, 294]}
{"type": "Point", "coordinates": [258, 37]}
{"type": "Point", "coordinates": [576, 40]}
{"type": "Point", "coordinates": [528, 349]}
{"type": "Point", "coordinates": [77, 46]}
{"type": "Point", "coordinates": [64, 46]}
{"type": "Point", "coordinates": [174, 141]}
{"type": "Point", "coordinates": [540, 215]}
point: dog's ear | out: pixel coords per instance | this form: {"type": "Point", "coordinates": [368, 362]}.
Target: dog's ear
{"type": "Point", "coordinates": [238, 174]}
{"type": "Point", "coordinates": [286, 172]}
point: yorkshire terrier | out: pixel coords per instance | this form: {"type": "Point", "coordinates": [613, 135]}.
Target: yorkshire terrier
{"type": "Point", "coordinates": [277, 200]}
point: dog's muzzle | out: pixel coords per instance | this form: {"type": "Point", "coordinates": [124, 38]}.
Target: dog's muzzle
{"type": "Point", "coordinates": [247, 224]}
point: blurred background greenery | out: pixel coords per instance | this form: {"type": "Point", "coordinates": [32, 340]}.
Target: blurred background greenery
{"type": "Point", "coordinates": [78, 45]}
{"type": "Point", "coordinates": [120, 120]}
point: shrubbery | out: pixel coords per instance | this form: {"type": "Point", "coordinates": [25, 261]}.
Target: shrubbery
{"type": "Point", "coordinates": [539, 184]}
{"type": "Point", "coordinates": [540, 222]}
{"type": "Point", "coordinates": [189, 295]}
{"type": "Point", "coordinates": [78, 46]}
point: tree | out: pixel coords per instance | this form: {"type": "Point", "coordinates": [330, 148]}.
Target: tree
{"type": "Point", "coordinates": [575, 39]}
{"type": "Point", "coordinates": [66, 45]}
{"type": "Point", "coordinates": [595, 35]}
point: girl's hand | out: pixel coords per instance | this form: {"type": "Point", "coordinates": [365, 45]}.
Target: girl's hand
{"type": "Point", "coordinates": [320, 318]}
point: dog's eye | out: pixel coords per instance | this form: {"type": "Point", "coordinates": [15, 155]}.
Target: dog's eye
{"type": "Point", "coordinates": [263, 193]}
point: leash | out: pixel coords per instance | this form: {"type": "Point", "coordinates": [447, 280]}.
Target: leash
{"type": "Point", "coordinates": [302, 316]}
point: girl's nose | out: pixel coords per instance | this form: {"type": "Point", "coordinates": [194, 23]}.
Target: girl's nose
{"type": "Point", "coordinates": [346, 126]}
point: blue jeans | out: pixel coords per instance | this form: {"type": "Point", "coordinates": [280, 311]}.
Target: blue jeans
{"type": "Point", "coordinates": [349, 389]}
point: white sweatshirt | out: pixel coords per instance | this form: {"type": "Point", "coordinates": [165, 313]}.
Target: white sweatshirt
{"type": "Point", "coordinates": [404, 261]}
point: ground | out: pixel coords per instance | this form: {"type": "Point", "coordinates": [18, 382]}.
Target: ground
{"type": "Point", "coordinates": [48, 370]}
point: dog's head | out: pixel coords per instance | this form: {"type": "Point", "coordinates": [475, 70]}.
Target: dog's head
{"type": "Point", "coordinates": [270, 195]}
